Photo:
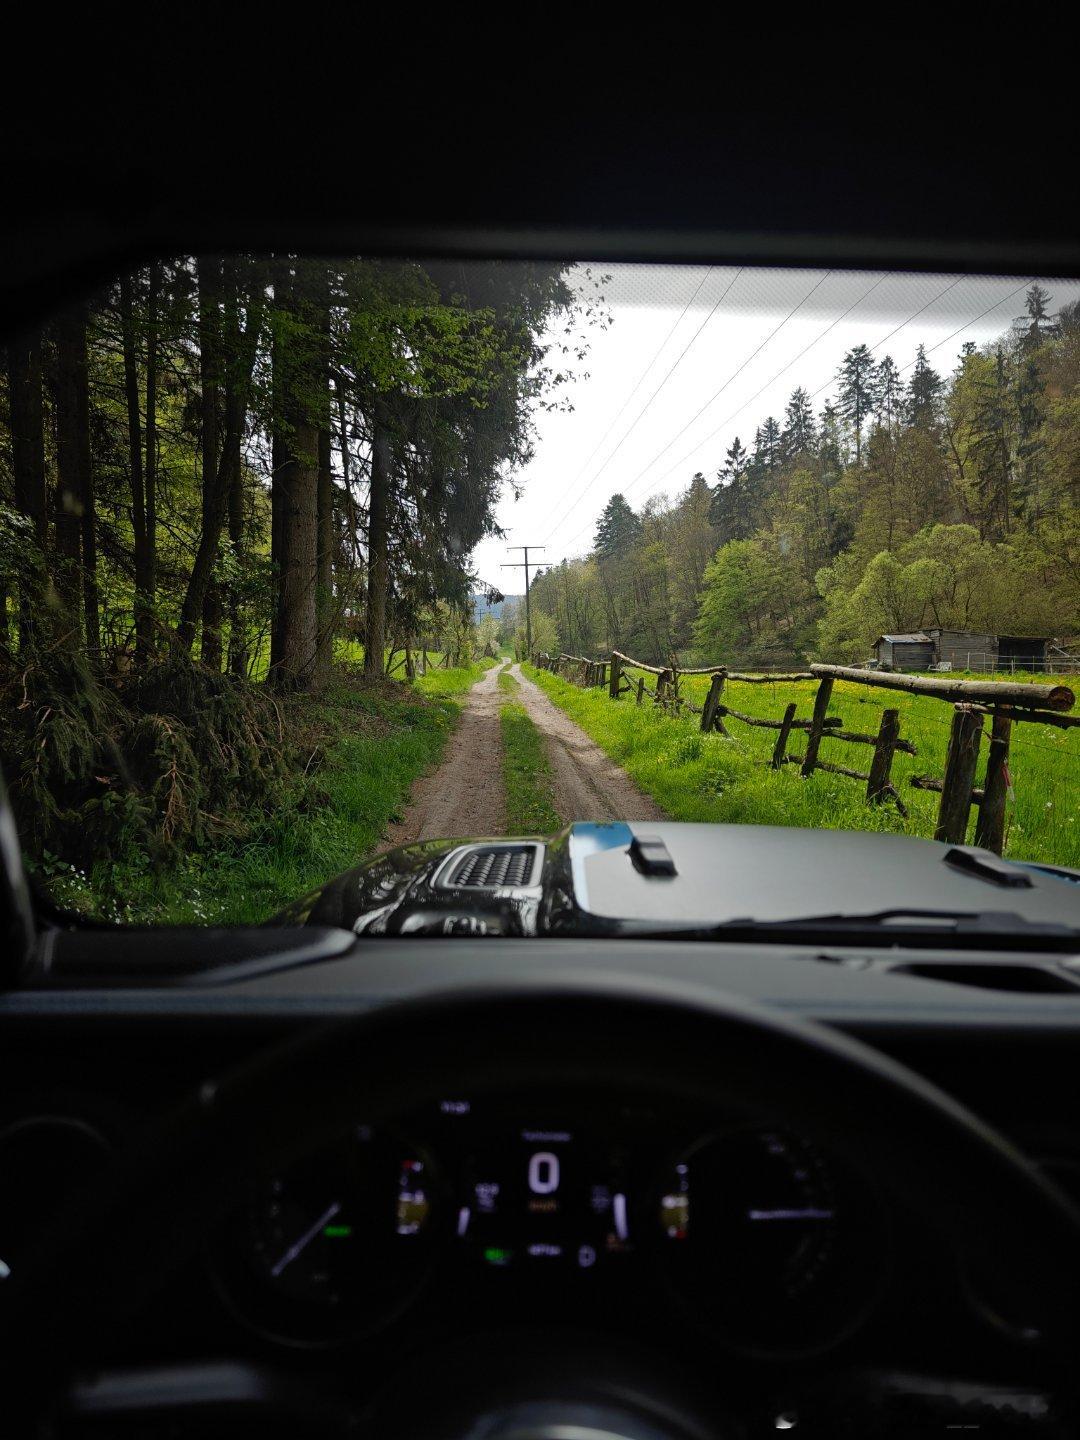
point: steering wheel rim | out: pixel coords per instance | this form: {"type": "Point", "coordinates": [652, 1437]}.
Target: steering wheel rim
{"type": "Point", "coordinates": [113, 1246]}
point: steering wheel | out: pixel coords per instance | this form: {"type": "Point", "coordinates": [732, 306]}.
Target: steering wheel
{"type": "Point", "coordinates": [109, 1252]}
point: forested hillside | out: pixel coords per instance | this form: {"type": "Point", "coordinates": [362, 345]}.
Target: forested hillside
{"type": "Point", "coordinates": [908, 500]}
{"type": "Point", "coordinates": [218, 474]}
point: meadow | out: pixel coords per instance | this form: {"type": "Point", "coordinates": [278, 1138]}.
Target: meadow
{"type": "Point", "coordinates": [710, 777]}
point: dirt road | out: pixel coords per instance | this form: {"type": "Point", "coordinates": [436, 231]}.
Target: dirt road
{"type": "Point", "coordinates": [465, 795]}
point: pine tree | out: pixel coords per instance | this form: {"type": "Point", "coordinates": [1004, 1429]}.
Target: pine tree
{"type": "Point", "coordinates": [992, 445]}
{"type": "Point", "coordinates": [767, 444]}
{"type": "Point", "coordinates": [799, 431]}
{"type": "Point", "coordinates": [1037, 324]}
{"type": "Point", "coordinates": [924, 393]}
{"type": "Point", "coordinates": [890, 393]}
{"type": "Point", "coordinates": [858, 394]}
{"type": "Point", "coordinates": [732, 509]}
{"type": "Point", "coordinates": [617, 530]}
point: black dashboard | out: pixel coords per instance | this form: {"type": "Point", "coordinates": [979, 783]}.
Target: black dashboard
{"type": "Point", "coordinates": [691, 1227]}
{"type": "Point", "coordinates": [752, 1251]}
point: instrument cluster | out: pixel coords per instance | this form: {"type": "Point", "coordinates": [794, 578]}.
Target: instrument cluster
{"type": "Point", "coordinates": [749, 1232]}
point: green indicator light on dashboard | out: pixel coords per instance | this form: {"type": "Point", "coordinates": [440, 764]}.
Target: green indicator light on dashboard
{"type": "Point", "coordinates": [495, 1255]}
{"type": "Point", "coordinates": [337, 1232]}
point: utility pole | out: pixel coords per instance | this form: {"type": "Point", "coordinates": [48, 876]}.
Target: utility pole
{"type": "Point", "coordinates": [524, 565]}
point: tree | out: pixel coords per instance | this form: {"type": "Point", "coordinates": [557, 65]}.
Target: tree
{"type": "Point", "coordinates": [733, 511]}
{"type": "Point", "coordinates": [1037, 324]}
{"type": "Point", "coordinates": [767, 444]}
{"type": "Point", "coordinates": [889, 390]}
{"type": "Point", "coordinates": [74, 461]}
{"type": "Point", "coordinates": [858, 392]}
{"type": "Point", "coordinates": [924, 393]}
{"type": "Point", "coordinates": [799, 432]}
{"type": "Point", "coordinates": [617, 530]}
{"type": "Point", "coordinates": [28, 460]}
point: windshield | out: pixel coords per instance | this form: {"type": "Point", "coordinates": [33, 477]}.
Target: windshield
{"type": "Point", "coordinates": [305, 560]}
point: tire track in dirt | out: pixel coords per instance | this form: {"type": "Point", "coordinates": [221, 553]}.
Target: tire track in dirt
{"type": "Point", "coordinates": [588, 785]}
{"type": "Point", "coordinates": [465, 795]}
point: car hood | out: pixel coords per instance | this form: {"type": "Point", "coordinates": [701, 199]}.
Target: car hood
{"type": "Point", "coordinates": [620, 877]}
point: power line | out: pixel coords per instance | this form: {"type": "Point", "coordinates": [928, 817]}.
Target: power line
{"type": "Point", "coordinates": [733, 376]}
{"type": "Point", "coordinates": [640, 381]}
{"type": "Point", "coordinates": [716, 395]}
{"type": "Point", "coordinates": [878, 344]}
{"type": "Point", "coordinates": [968, 324]}
{"type": "Point", "coordinates": [652, 397]}
{"type": "Point", "coordinates": [772, 381]}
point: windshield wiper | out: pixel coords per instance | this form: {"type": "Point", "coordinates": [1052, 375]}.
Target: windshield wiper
{"type": "Point", "coordinates": [906, 926]}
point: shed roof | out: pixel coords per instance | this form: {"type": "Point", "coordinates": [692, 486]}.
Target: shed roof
{"type": "Point", "coordinates": [918, 639]}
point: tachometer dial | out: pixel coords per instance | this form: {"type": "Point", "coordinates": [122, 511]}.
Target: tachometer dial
{"type": "Point", "coordinates": [762, 1235]}
{"type": "Point", "coordinates": [334, 1246]}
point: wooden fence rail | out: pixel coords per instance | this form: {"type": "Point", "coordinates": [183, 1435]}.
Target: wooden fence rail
{"type": "Point", "coordinates": [1005, 702]}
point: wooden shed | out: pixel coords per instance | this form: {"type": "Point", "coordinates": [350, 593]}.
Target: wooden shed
{"type": "Point", "coordinates": [905, 652]}
{"type": "Point", "coordinates": [965, 649]}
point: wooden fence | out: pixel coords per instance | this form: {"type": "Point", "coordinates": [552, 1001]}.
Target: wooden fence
{"type": "Point", "coordinates": [1006, 703]}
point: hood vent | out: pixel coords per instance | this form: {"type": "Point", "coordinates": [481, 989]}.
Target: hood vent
{"type": "Point", "coordinates": [493, 867]}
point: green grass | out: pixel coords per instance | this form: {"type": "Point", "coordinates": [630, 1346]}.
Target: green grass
{"type": "Point", "coordinates": [369, 743]}
{"type": "Point", "coordinates": [530, 792]}
{"type": "Point", "coordinates": [708, 777]}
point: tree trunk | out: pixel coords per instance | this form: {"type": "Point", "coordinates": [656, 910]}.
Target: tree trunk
{"type": "Point", "coordinates": [143, 599]}
{"type": "Point", "coordinates": [299, 528]}
{"type": "Point", "coordinates": [72, 453]}
{"type": "Point", "coordinates": [28, 457]}
{"type": "Point", "coordinates": [324, 561]}
{"type": "Point", "coordinates": [88, 516]}
{"type": "Point", "coordinates": [203, 602]}
{"type": "Point", "coordinates": [378, 544]}
{"type": "Point", "coordinates": [299, 378]}
{"type": "Point", "coordinates": [241, 349]}
{"type": "Point", "coordinates": [210, 646]}
{"type": "Point", "coordinates": [279, 447]}
{"type": "Point", "coordinates": [152, 296]}
{"type": "Point", "coordinates": [324, 558]}
{"type": "Point", "coordinates": [238, 651]}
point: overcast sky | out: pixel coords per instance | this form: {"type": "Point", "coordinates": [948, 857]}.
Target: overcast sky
{"type": "Point", "coordinates": [696, 355]}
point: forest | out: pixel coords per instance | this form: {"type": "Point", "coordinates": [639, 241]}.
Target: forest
{"type": "Point", "coordinates": [227, 484]}
{"type": "Point", "coordinates": [907, 501]}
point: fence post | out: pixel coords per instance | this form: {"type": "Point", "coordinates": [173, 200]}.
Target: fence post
{"type": "Point", "coordinates": [990, 826]}
{"type": "Point", "coordinates": [961, 761]}
{"type": "Point", "coordinates": [640, 688]}
{"type": "Point", "coordinates": [878, 787]}
{"type": "Point", "coordinates": [614, 676]}
{"type": "Point", "coordinates": [712, 700]}
{"type": "Point", "coordinates": [780, 748]}
{"type": "Point", "coordinates": [817, 722]}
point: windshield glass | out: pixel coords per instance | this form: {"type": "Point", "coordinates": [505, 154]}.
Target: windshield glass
{"type": "Point", "coordinates": [302, 561]}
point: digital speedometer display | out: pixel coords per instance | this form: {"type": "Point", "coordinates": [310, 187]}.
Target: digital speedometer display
{"type": "Point", "coordinates": [543, 1195]}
